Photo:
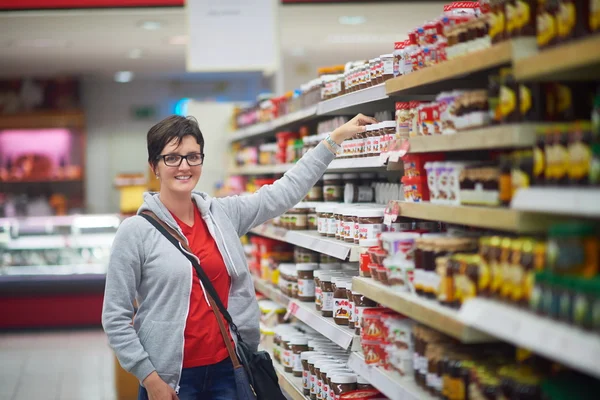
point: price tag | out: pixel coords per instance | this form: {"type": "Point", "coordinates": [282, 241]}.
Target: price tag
{"type": "Point", "coordinates": [292, 309]}
{"type": "Point", "coordinates": [401, 151]}
{"type": "Point", "coordinates": [391, 213]}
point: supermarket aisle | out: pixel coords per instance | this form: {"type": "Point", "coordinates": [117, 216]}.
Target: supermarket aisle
{"type": "Point", "coordinates": [68, 365]}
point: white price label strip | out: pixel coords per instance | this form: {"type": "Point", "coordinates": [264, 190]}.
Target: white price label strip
{"type": "Point", "coordinates": [556, 340]}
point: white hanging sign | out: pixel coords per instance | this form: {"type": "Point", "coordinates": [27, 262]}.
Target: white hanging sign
{"type": "Point", "coordinates": [232, 35]}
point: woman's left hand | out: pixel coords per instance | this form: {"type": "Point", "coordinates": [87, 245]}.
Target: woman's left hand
{"type": "Point", "coordinates": [352, 128]}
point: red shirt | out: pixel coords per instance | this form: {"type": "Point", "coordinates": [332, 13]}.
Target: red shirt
{"type": "Point", "coordinates": [203, 342]}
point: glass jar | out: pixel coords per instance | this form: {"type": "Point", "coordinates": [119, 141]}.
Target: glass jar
{"type": "Point", "coordinates": [370, 222]}
{"type": "Point", "coordinates": [297, 217]}
{"type": "Point", "coordinates": [311, 215]}
{"type": "Point", "coordinates": [348, 231]}
{"type": "Point", "coordinates": [306, 281]}
{"type": "Point", "coordinates": [343, 383]}
{"type": "Point", "coordinates": [325, 219]}
{"type": "Point", "coordinates": [298, 345]}
{"type": "Point", "coordinates": [388, 66]}
{"type": "Point", "coordinates": [340, 301]}
{"type": "Point", "coordinates": [316, 192]}
{"type": "Point", "coordinates": [333, 187]}
{"type": "Point", "coordinates": [325, 280]}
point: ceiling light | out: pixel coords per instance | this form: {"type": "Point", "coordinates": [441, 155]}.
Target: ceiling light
{"type": "Point", "coordinates": [352, 20]}
{"type": "Point", "coordinates": [41, 43]}
{"type": "Point", "coordinates": [151, 25]}
{"type": "Point", "coordinates": [123, 76]}
{"type": "Point", "coordinates": [178, 40]}
{"type": "Point", "coordinates": [135, 54]}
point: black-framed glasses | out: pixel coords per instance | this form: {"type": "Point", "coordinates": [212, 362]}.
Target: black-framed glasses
{"type": "Point", "coordinates": [175, 160]}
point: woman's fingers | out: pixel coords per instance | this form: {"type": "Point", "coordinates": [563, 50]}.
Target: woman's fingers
{"type": "Point", "coordinates": [365, 120]}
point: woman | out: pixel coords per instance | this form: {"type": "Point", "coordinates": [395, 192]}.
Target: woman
{"type": "Point", "coordinates": [174, 346]}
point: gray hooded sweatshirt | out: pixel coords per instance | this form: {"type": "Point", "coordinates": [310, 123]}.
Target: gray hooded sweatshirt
{"type": "Point", "coordinates": [146, 267]}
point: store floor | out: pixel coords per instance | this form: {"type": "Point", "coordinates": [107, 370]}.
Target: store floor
{"type": "Point", "coordinates": [66, 365]}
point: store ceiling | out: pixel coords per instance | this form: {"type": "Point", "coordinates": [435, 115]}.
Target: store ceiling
{"type": "Point", "coordinates": [99, 42]}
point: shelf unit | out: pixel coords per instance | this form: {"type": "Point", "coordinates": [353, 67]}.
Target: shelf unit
{"type": "Point", "coordinates": [579, 59]}
{"type": "Point", "coordinates": [289, 383]}
{"type": "Point", "coordinates": [481, 60]}
{"type": "Point", "coordinates": [267, 127]}
{"type": "Point", "coordinates": [499, 218]}
{"type": "Point", "coordinates": [557, 341]}
{"type": "Point", "coordinates": [578, 202]}
{"type": "Point", "coordinates": [426, 311]}
{"type": "Point", "coordinates": [493, 137]}
{"type": "Point", "coordinates": [271, 292]}
{"type": "Point", "coordinates": [393, 386]}
{"type": "Point", "coordinates": [310, 240]}
{"type": "Point", "coordinates": [307, 313]}
{"type": "Point", "coordinates": [347, 103]}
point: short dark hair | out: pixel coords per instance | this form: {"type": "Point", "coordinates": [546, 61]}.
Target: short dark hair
{"type": "Point", "coordinates": [173, 127]}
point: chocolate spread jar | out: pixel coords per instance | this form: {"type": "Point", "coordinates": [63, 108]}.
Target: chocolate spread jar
{"type": "Point", "coordinates": [305, 374]}
{"type": "Point", "coordinates": [298, 345]}
{"type": "Point", "coordinates": [312, 377]}
{"type": "Point", "coordinates": [319, 377]}
{"type": "Point", "coordinates": [351, 311]}
{"type": "Point", "coordinates": [306, 281]}
{"type": "Point", "coordinates": [340, 301]}
{"type": "Point", "coordinates": [326, 295]}
{"type": "Point", "coordinates": [343, 383]}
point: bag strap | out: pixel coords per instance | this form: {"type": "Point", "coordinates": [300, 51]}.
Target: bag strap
{"type": "Point", "coordinates": [213, 298]}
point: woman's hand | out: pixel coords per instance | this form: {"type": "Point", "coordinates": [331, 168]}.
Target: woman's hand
{"type": "Point", "coordinates": [352, 128]}
{"type": "Point", "coordinates": [158, 389]}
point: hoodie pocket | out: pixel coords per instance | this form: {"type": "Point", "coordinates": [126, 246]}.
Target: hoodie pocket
{"type": "Point", "coordinates": [163, 344]}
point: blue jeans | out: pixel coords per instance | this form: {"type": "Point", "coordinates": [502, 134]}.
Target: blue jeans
{"type": "Point", "coordinates": [210, 382]}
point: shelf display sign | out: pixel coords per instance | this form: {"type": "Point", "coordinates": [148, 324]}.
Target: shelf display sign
{"type": "Point", "coordinates": [232, 35]}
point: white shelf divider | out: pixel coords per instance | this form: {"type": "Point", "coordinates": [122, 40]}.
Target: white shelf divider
{"type": "Point", "coordinates": [338, 104]}
{"type": "Point", "coordinates": [307, 313]}
{"type": "Point", "coordinates": [558, 341]}
{"type": "Point", "coordinates": [271, 292]}
{"type": "Point", "coordinates": [581, 202]}
{"type": "Point", "coordinates": [392, 385]}
{"type": "Point", "coordinates": [311, 240]}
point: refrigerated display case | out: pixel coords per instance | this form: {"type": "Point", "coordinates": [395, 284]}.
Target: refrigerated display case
{"type": "Point", "coordinates": [53, 269]}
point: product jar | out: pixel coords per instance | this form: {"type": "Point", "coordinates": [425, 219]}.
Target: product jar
{"type": "Point", "coordinates": [343, 383]}
{"type": "Point", "coordinates": [305, 373]}
{"type": "Point", "coordinates": [347, 234]}
{"type": "Point", "coordinates": [361, 303]}
{"type": "Point", "coordinates": [316, 192]}
{"type": "Point", "coordinates": [324, 218]}
{"type": "Point", "coordinates": [297, 345]}
{"type": "Point", "coordinates": [326, 294]}
{"type": "Point", "coordinates": [388, 134]}
{"type": "Point", "coordinates": [312, 377]}
{"type": "Point", "coordinates": [320, 384]}
{"type": "Point", "coordinates": [297, 217]}
{"type": "Point", "coordinates": [388, 66]}
{"type": "Point", "coordinates": [306, 281]}
{"type": "Point", "coordinates": [370, 222]}
{"type": "Point", "coordinates": [340, 301]}
{"type": "Point", "coordinates": [333, 187]}
{"type": "Point", "coordinates": [311, 214]}
{"type": "Point", "coordinates": [358, 194]}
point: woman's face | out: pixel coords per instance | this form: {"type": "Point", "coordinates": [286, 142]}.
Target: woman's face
{"type": "Point", "coordinates": [183, 178]}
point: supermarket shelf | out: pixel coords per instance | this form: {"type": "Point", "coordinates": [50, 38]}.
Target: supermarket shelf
{"type": "Point", "coordinates": [426, 311]}
{"type": "Point", "coordinates": [500, 218]}
{"type": "Point", "coordinates": [261, 169]}
{"type": "Point", "coordinates": [307, 313]}
{"type": "Point", "coordinates": [499, 54]}
{"type": "Point", "coordinates": [289, 383]}
{"type": "Point", "coordinates": [344, 164]}
{"type": "Point", "coordinates": [392, 385]}
{"type": "Point", "coordinates": [568, 345]}
{"type": "Point", "coordinates": [351, 164]}
{"type": "Point", "coordinates": [271, 292]}
{"type": "Point", "coordinates": [504, 136]}
{"type": "Point", "coordinates": [311, 240]}
{"type": "Point", "coordinates": [344, 104]}
{"type": "Point", "coordinates": [575, 60]}
{"type": "Point", "coordinates": [266, 127]}
{"type": "Point", "coordinates": [567, 201]}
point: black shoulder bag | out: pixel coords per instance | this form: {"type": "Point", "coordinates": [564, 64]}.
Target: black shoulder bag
{"type": "Point", "coordinates": [255, 376]}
